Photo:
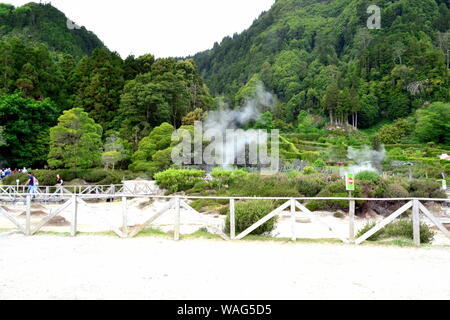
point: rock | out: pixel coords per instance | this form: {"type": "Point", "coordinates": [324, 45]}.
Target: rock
{"type": "Point", "coordinates": [371, 214]}
{"type": "Point", "coordinates": [303, 220]}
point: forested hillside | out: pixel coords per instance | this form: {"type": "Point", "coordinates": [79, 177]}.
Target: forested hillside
{"type": "Point", "coordinates": [47, 68]}
{"type": "Point", "coordinates": [42, 23]}
{"type": "Point", "coordinates": [67, 101]}
{"type": "Point", "coordinates": [319, 56]}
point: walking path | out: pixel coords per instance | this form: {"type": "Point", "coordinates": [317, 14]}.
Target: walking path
{"type": "Point", "coordinates": [96, 267]}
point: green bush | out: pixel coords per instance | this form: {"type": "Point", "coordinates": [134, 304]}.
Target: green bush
{"type": "Point", "coordinates": [249, 212]}
{"type": "Point", "coordinates": [178, 180]}
{"type": "Point", "coordinates": [368, 176]}
{"type": "Point", "coordinates": [370, 225]}
{"type": "Point", "coordinates": [309, 170]}
{"type": "Point", "coordinates": [11, 179]}
{"type": "Point", "coordinates": [227, 177]}
{"type": "Point", "coordinates": [199, 187]}
{"type": "Point", "coordinates": [45, 177]}
{"type": "Point", "coordinates": [70, 174]}
{"type": "Point", "coordinates": [97, 176]}
{"type": "Point", "coordinates": [113, 177]}
{"type": "Point", "coordinates": [94, 176]}
{"type": "Point", "coordinates": [309, 185]}
{"type": "Point", "coordinates": [333, 190]}
{"type": "Point", "coordinates": [338, 214]}
{"type": "Point", "coordinates": [395, 132]}
{"type": "Point", "coordinates": [395, 191]}
{"type": "Point", "coordinates": [204, 205]}
{"type": "Point", "coordinates": [319, 163]}
{"type": "Point", "coordinates": [426, 189]}
{"type": "Point", "coordinates": [402, 228]}
{"type": "Point", "coordinates": [256, 185]}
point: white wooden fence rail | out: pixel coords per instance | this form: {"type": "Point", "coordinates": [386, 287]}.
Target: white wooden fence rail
{"type": "Point", "coordinates": [177, 202]}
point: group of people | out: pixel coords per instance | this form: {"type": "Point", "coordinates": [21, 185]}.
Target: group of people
{"type": "Point", "coordinates": [33, 183]}
{"type": "Point", "coordinates": [6, 172]}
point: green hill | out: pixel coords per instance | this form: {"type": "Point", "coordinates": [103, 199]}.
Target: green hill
{"type": "Point", "coordinates": [319, 56]}
{"type": "Point", "coordinates": [44, 23]}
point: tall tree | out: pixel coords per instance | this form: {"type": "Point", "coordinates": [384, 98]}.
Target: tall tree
{"type": "Point", "coordinates": [26, 124]}
{"type": "Point", "coordinates": [101, 84]}
{"type": "Point", "coordinates": [76, 142]}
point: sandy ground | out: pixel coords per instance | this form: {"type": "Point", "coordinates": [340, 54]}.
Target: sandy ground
{"type": "Point", "coordinates": [96, 267]}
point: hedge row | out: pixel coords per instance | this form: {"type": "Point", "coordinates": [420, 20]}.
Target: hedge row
{"type": "Point", "coordinates": [91, 176]}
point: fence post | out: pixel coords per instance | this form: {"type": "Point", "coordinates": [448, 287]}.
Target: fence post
{"type": "Point", "coordinates": [73, 226]}
{"type": "Point", "coordinates": [124, 215]}
{"type": "Point", "coordinates": [177, 220]}
{"type": "Point", "coordinates": [293, 221]}
{"type": "Point", "coordinates": [232, 220]}
{"type": "Point", "coordinates": [28, 216]}
{"type": "Point", "coordinates": [416, 222]}
{"type": "Point", "coordinates": [352, 221]}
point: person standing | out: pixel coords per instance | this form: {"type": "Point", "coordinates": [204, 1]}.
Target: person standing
{"type": "Point", "coordinates": [31, 183]}
{"type": "Point", "coordinates": [59, 180]}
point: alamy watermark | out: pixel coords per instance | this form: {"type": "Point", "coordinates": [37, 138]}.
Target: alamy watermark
{"type": "Point", "coordinates": [72, 25]}
{"type": "Point", "coordinates": [215, 147]}
{"type": "Point", "coordinates": [374, 21]}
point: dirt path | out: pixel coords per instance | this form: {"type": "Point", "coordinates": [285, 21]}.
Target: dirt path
{"type": "Point", "coordinates": [87, 267]}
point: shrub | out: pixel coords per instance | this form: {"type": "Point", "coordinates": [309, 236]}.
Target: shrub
{"type": "Point", "coordinates": [113, 177]}
{"type": "Point", "coordinates": [426, 189]}
{"type": "Point", "coordinates": [94, 176]}
{"type": "Point", "coordinates": [70, 174]}
{"type": "Point", "coordinates": [11, 179]}
{"type": "Point", "coordinates": [199, 187]}
{"type": "Point", "coordinates": [404, 228]}
{"type": "Point", "coordinates": [338, 214]}
{"type": "Point", "coordinates": [319, 163]}
{"type": "Point", "coordinates": [311, 185]}
{"type": "Point", "coordinates": [309, 170]}
{"type": "Point", "coordinates": [255, 185]}
{"type": "Point", "coordinates": [46, 177]}
{"type": "Point", "coordinates": [227, 177]}
{"type": "Point", "coordinates": [395, 132]}
{"type": "Point", "coordinates": [368, 176]}
{"type": "Point", "coordinates": [395, 191]}
{"type": "Point", "coordinates": [370, 225]}
{"type": "Point", "coordinates": [203, 205]}
{"type": "Point", "coordinates": [401, 228]}
{"type": "Point", "coordinates": [333, 190]}
{"type": "Point", "coordinates": [249, 212]}
{"type": "Point", "coordinates": [178, 180]}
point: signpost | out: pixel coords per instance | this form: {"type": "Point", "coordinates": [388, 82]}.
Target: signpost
{"type": "Point", "coordinates": [350, 182]}
{"type": "Point", "coordinates": [350, 186]}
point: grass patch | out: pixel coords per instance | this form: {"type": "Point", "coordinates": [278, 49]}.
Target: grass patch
{"type": "Point", "coordinates": [153, 233]}
{"type": "Point", "coordinates": [201, 235]}
{"type": "Point", "coordinates": [395, 242]}
{"type": "Point", "coordinates": [67, 234]}
{"type": "Point", "coordinates": [286, 240]}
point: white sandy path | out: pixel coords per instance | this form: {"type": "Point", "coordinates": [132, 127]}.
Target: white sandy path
{"type": "Point", "coordinates": [88, 267]}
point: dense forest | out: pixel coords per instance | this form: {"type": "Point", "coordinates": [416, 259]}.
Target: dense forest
{"type": "Point", "coordinates": [319, 56]}
{"type": "Point", "coordinates": [67, 101]}
{"type": "Point", "coordinates": [47, 68]}
{"type": "Point", "coordinates": [42, 23]}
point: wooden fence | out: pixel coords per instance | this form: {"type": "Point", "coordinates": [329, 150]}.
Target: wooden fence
{"type": "Point", "coordinates": [59, 193]}
{"type": "Point", "coordinates": [295, 206]}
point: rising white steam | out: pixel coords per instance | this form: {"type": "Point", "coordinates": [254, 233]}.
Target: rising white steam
{"type": "Point", "coordinates": [224, 120]}
{"type": "Point", "coordinates": [366, 160]}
